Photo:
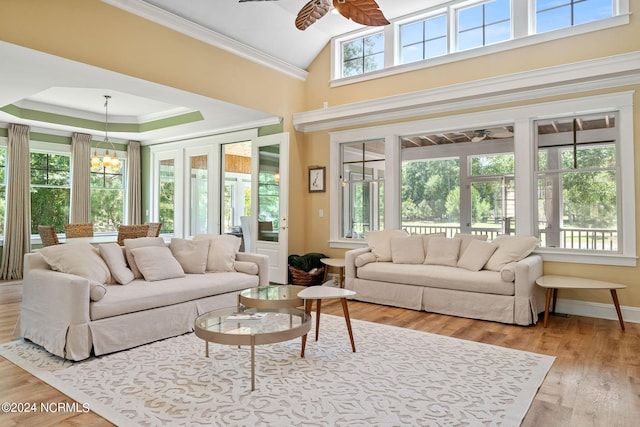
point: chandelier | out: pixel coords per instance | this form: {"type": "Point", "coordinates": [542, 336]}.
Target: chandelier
{"type": "Point", "coordinates": [109, 159]}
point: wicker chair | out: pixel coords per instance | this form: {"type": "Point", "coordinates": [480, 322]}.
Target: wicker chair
{"type": "Point", "coordinates": [154, 229]}
{"type": "Point", "coordinates": [78, 230]}
{"type": "Point", "coordinates": [132, 232]}
{"type": "Point", "coordinates": [48, 235]}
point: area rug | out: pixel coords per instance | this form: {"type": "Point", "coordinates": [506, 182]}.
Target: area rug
{"type": "Point", "coordinates": [397, 377]}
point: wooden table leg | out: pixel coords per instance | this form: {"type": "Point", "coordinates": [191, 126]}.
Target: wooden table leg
{"type": "Point", "coordinates": [614, 295]}
{"type": "Point", "coordinates": [318, 304]}
{"type": "Point", "coordinates": [546, 307]}
{"type": "Point", "coordinates": [347, 319]}
{"type": "Point", "coordinates": [307, 309]}
{"type": "Point", "coordinates": [555, 299]}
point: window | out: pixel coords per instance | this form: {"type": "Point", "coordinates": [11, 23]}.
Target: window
{"type": "Point", "coordinates": [362, 182]}
{"type": "Point", "coordinates": [424, 39]}
{"type": "Point", "coordinates": [50, 190]}
{"type": "Point", "coordinates": [577, 183]}
{"type": "Point", "coordinates": [483, 24]}
{"type": "Point", "coordinates": [167, 195]}
{"type": "Point", "coordinates": [107, 198]}
{"type": "Point", "coordinates": [468, 29]}
{"type": "Point", "coordinates": [199, 211]}
{"type": "Point", "coordinates": [363, 55]}
{"type": "Point", "coordinates": [459, 182]}
{"type": "Point", "coordinates": [556, 14]}
{"type": "Point", "coordinates": [562, 171]}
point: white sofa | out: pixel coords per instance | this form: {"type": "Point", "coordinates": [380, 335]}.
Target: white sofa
{"type": "Point", "coordinates": [484, 280]}
{"type": "Point", "coordinates": [76, 315]}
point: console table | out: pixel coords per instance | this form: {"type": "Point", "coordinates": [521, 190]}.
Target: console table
{"type": "Point", "coordinates": [553, 283]}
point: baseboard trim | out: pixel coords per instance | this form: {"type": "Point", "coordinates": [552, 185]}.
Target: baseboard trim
{"type": "Point", "coordinates": [597, 310]}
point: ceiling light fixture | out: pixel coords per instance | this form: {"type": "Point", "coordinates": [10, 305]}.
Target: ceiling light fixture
{"type": "Point", "coordinates": [108, 159]}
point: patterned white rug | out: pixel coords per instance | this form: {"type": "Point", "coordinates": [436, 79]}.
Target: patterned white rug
{"type": "Point", "coordinates": [397, 377]}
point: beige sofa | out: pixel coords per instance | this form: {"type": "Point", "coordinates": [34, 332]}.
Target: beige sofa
{"type": "Point", "coordinates": [483, 280]}
{"type": "Point", "coordinates": [76, 315]}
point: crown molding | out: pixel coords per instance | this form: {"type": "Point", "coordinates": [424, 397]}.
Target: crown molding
{"type": "Point", "coordinates": [600, 73]}
{"type": "Point", "coordinates": [198, 32]}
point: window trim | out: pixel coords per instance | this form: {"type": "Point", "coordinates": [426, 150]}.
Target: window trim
{"type": "Point", "coordinates": [523, 119]}
{"type": "Point", "coordinates": [522, 33]}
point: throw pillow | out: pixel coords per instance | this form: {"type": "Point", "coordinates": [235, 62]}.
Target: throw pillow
{"type": "Point", "coordinates": [222, 251]}
{"type": "Point", "coordinates": [510, 249]}
{"type": "Point", "coordinates": [79, 258]}
{"type": "Point", "coordinates": [427, 237]}
{"type": "Point", "coordinates": [407, 250]}
{"type": "Point", "coordinates": [476, 255]}
{"type": "Point", "coordinates": [157, 263]}
{"type": "Point", "coordinates": [508, 272]}
{"type": "Point", "coordinates": [191, 254]}
{"type": "Point", "coordinates": [466, 239]}
{"type": "Point", "coordinates": [246, 267]}
{"type": "Point", "coordinates": [380, 242]}
{"type": "Point", "coordinates": [114, 257]}
{"type": "Point", "coordinates": [443, 251]}
{"type": "Point", "coordinates": [97, 291]}
{"type": "Point", "coordinates": [140, 242]}
{"type": "Point", "coordinates": [364, 259]}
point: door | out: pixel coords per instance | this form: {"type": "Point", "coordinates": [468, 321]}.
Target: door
{"type": "Point", "coordinates": [270, 202]}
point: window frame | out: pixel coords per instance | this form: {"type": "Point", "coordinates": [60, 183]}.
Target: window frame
{"type": "Point", "coordinates": [124, 172]}
{"type": "Point", "coordinates": [522, 34]}
{"type": "Point", "coordinates": [523, 119]}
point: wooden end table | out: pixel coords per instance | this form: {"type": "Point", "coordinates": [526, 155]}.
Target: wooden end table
{"type": "Point", "coordinates": [337, 263]}
{"type": "Point", "coordinates": [553, 283]}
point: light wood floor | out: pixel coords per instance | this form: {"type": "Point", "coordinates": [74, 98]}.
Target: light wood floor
{"type": "Point", "coordinates": [595, 380]}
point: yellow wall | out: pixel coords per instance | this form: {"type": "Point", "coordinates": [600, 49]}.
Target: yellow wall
{"type": "Point", "coordinates": [599, 44]}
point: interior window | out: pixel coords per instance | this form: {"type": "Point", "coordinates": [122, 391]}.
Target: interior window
{"type": "Point", "coordinates": [363, 55]}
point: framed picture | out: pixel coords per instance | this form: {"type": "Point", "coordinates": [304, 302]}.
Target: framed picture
{"type": "Point", "coordinates": [317, 179]}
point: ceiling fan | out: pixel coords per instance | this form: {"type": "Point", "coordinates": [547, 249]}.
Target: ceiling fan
{"type": "Point", "coordinates": [365, 12]}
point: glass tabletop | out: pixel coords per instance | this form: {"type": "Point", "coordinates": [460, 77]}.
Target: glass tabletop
{"type": "Point", "coordinates": [273, 292]}
{"type": "Point", "coordinates": [251, 321]}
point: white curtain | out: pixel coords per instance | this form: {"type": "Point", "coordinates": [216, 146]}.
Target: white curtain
{"type": "Point", "coordinates": [17, 226]}
{"type": "Point", "coordinates": [134, 188]}
{"type": "Point", "coordinates": [81, 178]}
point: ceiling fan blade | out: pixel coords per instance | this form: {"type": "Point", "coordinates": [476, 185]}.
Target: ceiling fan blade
{"type": "Point", "coordinates": [365, 12]}
{"type": "Point", "coordinates": [311, 12]}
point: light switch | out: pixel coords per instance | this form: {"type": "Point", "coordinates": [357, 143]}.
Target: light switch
{"type": "Point", "coordinates": [321, 213]}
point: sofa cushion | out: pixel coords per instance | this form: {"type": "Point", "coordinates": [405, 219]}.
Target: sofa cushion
{"type": "Point", "coordinates": [113, 256]}
{"type": "Point", "coordinates": [407, 250]}
{"type": "Point", "coordinates": [140, 242]}
{"type": "Point", "coordinates": [79, 258]}
{"type": "Point", "coordinates": [380, 242]}
{"type": "Point", "coordinates": [364, 259]}
{"type": "Point", "coordinates": [427, 237]}
{"type": "Point", "coordinates": [508, 272]}
{"type": "Point", "coordinates": [157, 263]}
{"type": "Point", "coordinates": [97, 291]}
{"type": "Point", "coordinates": [222, 251]}
{"type": "Point", "coordinates": [476, 255]}
{"type": "Point", "coordinates": [437, 276]}
{"type": "Point", "coordinates": [510, 249]}
{"type": "Point", "coordinates": [442, 251]}
{"type": "Point", "coordinates": [191, 254]}
{"type": "Point", "coordinates": [246, 267]}
{"type": "Point", "coordinates": [142, 295]}
{"type": "Point", "coordinates": [466, 239]}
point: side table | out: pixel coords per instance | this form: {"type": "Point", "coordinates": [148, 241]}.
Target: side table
{"type": "Point", "coordinates": [337, 263]}
{"type": "Point", "coordinates": [553, 283]}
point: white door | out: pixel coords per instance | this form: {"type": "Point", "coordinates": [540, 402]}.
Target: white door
{"type": "Point", "coordinates": [270, 202]}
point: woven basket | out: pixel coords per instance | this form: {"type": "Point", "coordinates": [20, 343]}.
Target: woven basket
{"type": "Point", "coordinates": [303, 278]}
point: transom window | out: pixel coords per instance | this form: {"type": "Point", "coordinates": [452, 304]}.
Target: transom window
{"type": "Point", "coordinates": [483, 24]}
{"type": "Point", "coordinates": [363, 55]}
{"type": "Point", "coordinates": [423, 39]}
{"type": "Point", "coordinates": [556, 14]}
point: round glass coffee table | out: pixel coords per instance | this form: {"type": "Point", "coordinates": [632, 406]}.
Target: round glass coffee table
{"type": "Point", "coordinates": [251, 327]}
{"type": "Point", "coordinates": [272, 296]}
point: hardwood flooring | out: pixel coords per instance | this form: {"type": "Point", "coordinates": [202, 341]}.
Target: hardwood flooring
{"type": "Point", "coordinates": [595, 380]}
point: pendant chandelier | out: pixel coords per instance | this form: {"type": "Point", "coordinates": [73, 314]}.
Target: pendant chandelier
{"type": "Point", "coordinates": [109, 159]}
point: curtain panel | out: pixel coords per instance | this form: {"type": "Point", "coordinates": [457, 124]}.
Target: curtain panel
{"type": "Point", "coordinates": [17, 226]}
{"type": "Point", "coordinates": [134, 185]}
{"type": "Point", "coordinates": [81, 178]}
